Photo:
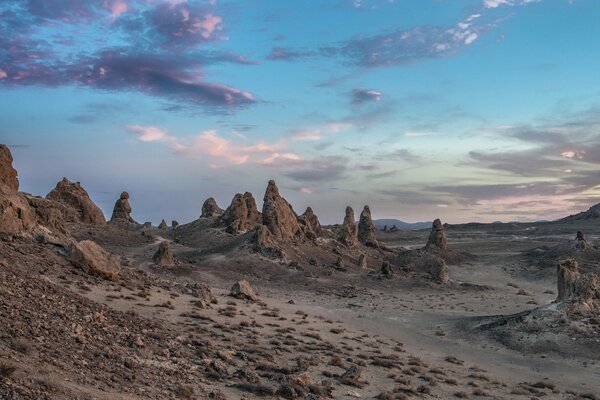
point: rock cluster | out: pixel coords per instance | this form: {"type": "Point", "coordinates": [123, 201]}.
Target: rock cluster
{"type": "Point", "coordinates": [349, 231]}
{"type": "Point", "coordinates": [575, 287]}
{"type": "Point", "coordinates": [79, 205]}
{"type": "Point", "coordinates": [122, 210]}
{"type": "Point", "coordinates": [366, 228]}
{"type": "Point", "coordinates": [93, 259]}
{"type": "Point", "coordinates": [235, 217]}
{"type": "Point", "coordinates": [210, 208]}
{"type": "Point", "coordinates": [437, 237]}
{"type": "Point", "coordinates": [253, 216]}
{"type": "Point", "coordinates": [164, 255]}
{"type": "Point", "coordinates": [278, 215]}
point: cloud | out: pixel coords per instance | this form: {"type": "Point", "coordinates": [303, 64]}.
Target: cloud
{"type": "Point", "coordinates": [362, 96]}
{"type": "Point", "coordinates": [283, 54]}
{"type": "Point", "coordinates": [499, 3]}
{"type": "Point", "coordinates": [314, 134]}
{"type": "Point", "coordinates": [326, 169]}
{"type": "Point", "coordinates": [159, 55]}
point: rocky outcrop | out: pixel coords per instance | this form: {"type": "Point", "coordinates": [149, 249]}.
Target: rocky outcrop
{"type": "Point", "coordinates": [80, 208]}
{"type": "Point", "coordinates": [362, 261]}
{"type": "Point", "coordinates": [576, 287]}
{"type": "Point", "coordinates": [253, 216]}
{"type": "Point", "coordinates": [8, 175]}
{"type": "Point", "coordinates": [122, 210]}
{"type": "Point", "coordinates": [386, 269]}
{"type": "Point", "coordinates": [174, 224]}
{"type": "Point", "coordinates": [16, 215]}
{"type": "Point", "coordinates": [366, 228]}
{"type": "Point", "coordinates": [437, 237]}
{"type": "Point", "coordinates": [235, 217]}
{"type": "Point", "coordinates": [164, 255]}
{"type": "Point", "coordinates": [163, 225]}
{"type": "Point", "coordinates": [349, 231]}
{"type": "Point", "coordinates": [243, 290]}
{"type": "Point", "coordinates": [592, 213]}
{"type": "Point", "coordinates": [438, 270]}
{"type": "Point", "coordinates": [48, 213]}
{"type": "Point", "coordinates": [278, 215]}
{"type": "Point", "coordinates": [93, 259]}
{"type": "Point", "coordinates": [210, 208]}
{"type": "Point", "coordinates": [309, 223]}
{"type": "Point", "coordinates": [580, 242]}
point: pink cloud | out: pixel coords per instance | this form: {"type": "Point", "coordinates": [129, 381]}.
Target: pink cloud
{"type": "Point", "coordinates": [208, 25]}
{"type": "Point", "coordinates": [3, 74]}
{"type": "Point", "coordinates": [148, 133]}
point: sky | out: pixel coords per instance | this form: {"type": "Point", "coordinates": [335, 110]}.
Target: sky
{"type": "Point", "coordinates": [466, 110]}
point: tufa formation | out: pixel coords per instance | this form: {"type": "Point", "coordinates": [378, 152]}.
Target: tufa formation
{"type": "Point", "coordinates": [437, 237]}
{"type": "Point", "coordinates": [349, 230]}
{"type": "Point", "coordinates": [122, 210]}
{"type": "Point", "coordinates": [366, 228]}
{"type": "Point", "coordinates": [79, 206]}
{"type": "Point", "coordinates": [278, 215]}
{"type": "Point", "coordinates": [210, 208]}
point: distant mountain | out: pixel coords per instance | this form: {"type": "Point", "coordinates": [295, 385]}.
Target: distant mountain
{"type": "Point", "coordinates": [592, 213]}
{"type": "Point", "coordinates": [403, 226]}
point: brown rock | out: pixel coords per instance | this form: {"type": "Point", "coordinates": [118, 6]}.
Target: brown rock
{"type": "Point", "coordinates": [349, 230]}
{"type": "Point", "coordinates": [580, 242]}
{"type": "Point", "coordinates": [8, 175]}
{"type": "Point", "coordinates": [253, 216]}
{"type": "Point", "coordinates": [437, 237]}
{"type": "Point", "coordinates": [93, 259]}
{"type": "Point", "coordinates": [243, 290]}
{"type": "Point", "coordinates": [568, 274]}
{"type": "Point", "coordinates": [278, 215]}
{"type": "Point", "coordinates": [122, 210]}
{"type": "Point", "coordinates": [366, 229]}
{"type": "Point", "coordinates": [362, 261]}
{"type": "Point", "coordinates": [163, 225]}
{"type": "Point", "coordinates": [386, 269]}
{"type": "Point", "coordinates": [210, 208]}
{"type": "Point", "coordinates": [174, 224]}
{"type": "Point", "coordinates": [163, 255]}
{"type": "Point", "coordinates": [310, 223]}
{"type": "Point", "coordinates": [16, 215]}
{"type": "Point", "coordinates": [79, 205]}
{"type": "Point", "coordinates": [438, 270]}
{"type": "Point", "coordinates": [49, 213]}
{"type": "Point", "coordinates": [235, 217]}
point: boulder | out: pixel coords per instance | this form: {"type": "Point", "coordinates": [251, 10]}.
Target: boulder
{"type": "Point", "coordinates": [163, 255]}
{"type": "Point", "coordinates": [79, 205]}
{"type": "Point", "coordinates": [437, 237]}
{"type": "Point", "coordinates": [278, 215]}
{"type": "Point", "coordinates": [8, 175]}
{"type": "Point", "coordinates": [122, 210]}
{"type": "Point", "coordinates": [93, 259]}
{"type": "Point", "coordinates": [386, 269]}
{"type": "Point", "coordinates": [16, 215]}
{"type": "Point", "coordinates": [163, 225]}
{"type": "Point", "coordinates": [349, 231]}
{"type": "Point", "coordinates": [576, 287]}
{"type": "Point", "coordinates": [174, 224]}
{"type": "Point", "coordinates": [310, 223]}
{"type": "Point", "coordinates": [366, 228]}
{"type": "Point", "coordinates": [210, 208]}
{"type": "Point", "coordinates": [243, 290]}
{"type": "Point", "coordinates": [362, 261]}
{"type": "Point", "coordinates": [580, 242]}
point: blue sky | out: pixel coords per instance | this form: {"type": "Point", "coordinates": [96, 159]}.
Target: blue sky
{"type": "Point", "coordinates": [465, 110]}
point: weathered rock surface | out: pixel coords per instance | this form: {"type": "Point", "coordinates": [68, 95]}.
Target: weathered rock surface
{"type": "Point", "coordinates": [49, 213]}
{"type": "Point", "coordinates": [437, 237]}
{"type": "Point", "coordinates": [386, 269]}
{"type": "Point", "coordinates": [362, 261]}
{"type": "Point", "coordinates": [254, 217]}
{"type": "Point", "coordinates": [243, 290]}
{"type": "Point", "coordinates": [80, 208]}
{"type": "Point", "coordinates": [8, 175]}
{"type": "Point", "coordinates": [164, 255]}
{"type": "Point", "coordinates": [93, 259]}
{"type": "Point", "coordinates": [580, 242]}
{"type": "Point", "coordinates": [592, 213]}
{"type": "Point", "coordinates": [210, 208]}
{"type": "Point", "coordinates": [122, 210]}
{"type": "Point", "coordinates": [366, 228]}
{"type": "Point", "coordinates": [235, 217]}
{"type": "Point", "coordinates": [349, 231]}
{"type": "Point", "coordinates": [438, 270]}
{"type": "Point", "coordinates": [163, 225]}
{"type": "Point", "coordinates": [16, 215]}
{"type": "Point", "coordinates": [278, 215]}
{"type": "Point", "coordinates": [576, 287]}
{"type": "Point", "coordinates": [174, 224]}
{"type": "Point", "coordinates": [310, 223]}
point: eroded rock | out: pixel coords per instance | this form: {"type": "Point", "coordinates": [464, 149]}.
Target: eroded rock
{"type": "Point", "coordinates": [243, 290]}
{"type": "Point", "coordinates": [164, 255]}
{"type": "Point", "coordinates": [8, 175]}
{"type": "Point", "coordinates": [437, 237]}
{"type": "Point", "coordinates": [122, 210]}
{"type": "Point", "coordinates": [163, 225]}
{"type": "Point", "coordinates": [80, 208]}
{"type": "Point", "coordinates": [93, 259]}
{"type": "Point", "coordinates": [278, 215]}
{"type": "Point", "coordinates": [235, 217]}
{"type": "Point", "coordinates": [366, 228]}
{"type": "Point", "coordinates": [349, 230]}
{"type": "Point", "coordinates": [210, 208]}
{"type": "Point", "coordinates": [310, 223]}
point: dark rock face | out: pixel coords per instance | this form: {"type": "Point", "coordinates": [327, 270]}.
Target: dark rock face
{"type": "Point", "coordinates": [386, 269]}
{"type": "Point", "coordinates": [79, 205]}
{"type": "Point", "coordinates": [163, 225]}
{"type": "Point", "coordinates": [278, 215]}
{"type": "Point", "coordinates": [210, 208]}
{"type": "Point", "coordinates": [592, 213]}
{"type": "Point", "coordinates": [310, 223]}
{"type": "Point", "coordinates": [366, 229]}
{"type": "Point", "coordinates": [8, 175]}
{"type": "Point", "coordinates": [164, 255]}
{"type": "Point", "coordinates": [243, 290]}
{"type": "Point", "coordinates": [235, 217]}
{"type": "Point", "coordinates": [349, 230]}
{"type": "Point", "coordinates": [437, 237]}
{"type": "Point", "coordinates": [122, 210]}
{"type": "Point", "coordinates": [580, 242]}
{"type": "Point", "coordinates": [174, 224]}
